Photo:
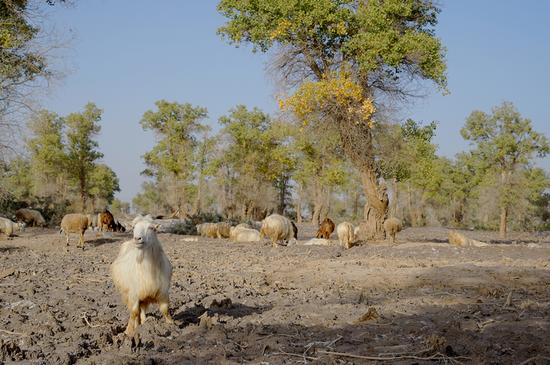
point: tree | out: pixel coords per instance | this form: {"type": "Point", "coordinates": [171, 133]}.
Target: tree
{"type": "Point", "coordinates": [320, 169]}
{"type": "Point", "coordinates": [171, 161]}
{"type": "Point", "coordinates": [254, 163]}
{"type": "Point", "coordinates": [507, 143]}
{"type": "Point", "coordinates": [82, 151]}
{"type": "Point", "coordinates": [103, 183]}
{"type": "Point", "coordinates": [119, 207]}
{"type": "Point", "coordinates": [23, 62]}
{"type": "Point", "coordinates": [48, 158]}
{"type": "Point", "coordinates": [344, 57]}
{"type": "Point", "coordinates": [204, 154]}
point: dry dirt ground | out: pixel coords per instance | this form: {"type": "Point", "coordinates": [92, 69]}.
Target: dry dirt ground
{"type": "Point", "coordinates": [419, 301]}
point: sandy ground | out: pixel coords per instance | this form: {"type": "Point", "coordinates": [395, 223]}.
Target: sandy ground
{"type": "Point", "coordinates": [420, 301]}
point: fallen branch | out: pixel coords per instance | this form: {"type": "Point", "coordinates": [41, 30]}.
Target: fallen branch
{"type": "Point", "coordinates": [538, 357]}
{"type": "Point", "coordinates": [295, 355]}
{"type": "Point", "coordinates": [13, 333]}
{"type": "Point", "coordinates": [437, 356]}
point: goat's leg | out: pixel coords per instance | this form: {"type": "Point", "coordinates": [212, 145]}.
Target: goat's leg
{"type": "Point", "coordinates": [142, 315]}
{"type": "Point", "coordinates": [163, 307]}
{"type": "Point", "coordinates": [133, 321]}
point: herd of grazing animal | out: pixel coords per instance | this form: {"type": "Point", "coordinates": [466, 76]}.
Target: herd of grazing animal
{"type": "Point", "coordinates": [142, 272]}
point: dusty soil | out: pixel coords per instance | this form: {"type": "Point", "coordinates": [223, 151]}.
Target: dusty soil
{"type": "Point", "coordinates": [420, 301]}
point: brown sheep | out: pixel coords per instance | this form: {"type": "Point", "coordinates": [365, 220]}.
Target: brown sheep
{"type": "Point", "coordinates": [74, 223]}
{"type": "Point", "coordinates": [142, 273]}
{"type": "Point", "coordinates": [31, 217]}
{"type": "Point", "coordinates": [106, 221]}
{"type": "Point", "coordinates": [391, 227]}
{"type": "Point", "coordinates": [325, 229]}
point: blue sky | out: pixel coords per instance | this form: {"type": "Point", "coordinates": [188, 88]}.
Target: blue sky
{"type": "Point", "coordinates": [126, 54]}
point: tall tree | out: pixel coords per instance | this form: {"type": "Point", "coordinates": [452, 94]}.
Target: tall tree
{"type": "Point", "coordinates": [204, 154]}
{"type": "Point", "coordinates": [345, 57]}
{"type": "Point", "coordinates": [507, 142]}
{"type": "Point", "coordinates": [48, 157]}
{"type": "Point", "coordinates": [255, 161]}
{"type": "Point", "coordinates": [170, 162]}
{"type": "Point", "coordinates": [82, 153]}
{"type": "Point", "coordinates": [103, 183]}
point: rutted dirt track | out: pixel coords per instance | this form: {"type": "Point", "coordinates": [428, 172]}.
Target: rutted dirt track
{"type": "Point", "coordinates": [417, 302]}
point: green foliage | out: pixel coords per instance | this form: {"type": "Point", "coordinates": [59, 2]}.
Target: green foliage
{"type": "Point", "coordinates": [171, 162]}
{"type": "Point", "coordinates": [256, 158]}
{"type": "Point", "coordinates": [103, 183]}
{"type": "Point", "coordinates": [389, 40]}
{"type": "Point", "coordinates": [506, 144]}
{"type": "Point", "coordinates": [82, 151]}
{"type": "Point", "coordinates": [119, 207]}
{"type": "Point", "coordinates": [19, 61]}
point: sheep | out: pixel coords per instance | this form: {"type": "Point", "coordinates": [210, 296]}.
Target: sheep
{"type": "Point", "coordinates": [74, 223]}
{"type": "Point", "coordinates": [243, 225]}
{"type": "Point", "coordinates": [318, 242]}
{"type": "Point", "coordinates": [119, 227]}
{"type": "Point", "coordinates": [106, 221]}
{"type": "Point", "coordinates": [9, 227]}
{"type": "Point", "coordinates": [325, 229]}
{"type": "Point", "coordinates": [277, 228]}
{"type": "Point", "coordinates": [209, 230]}
{"type": "Point", "coordinates": [30, 217]}
{"type": "Point", "coordinates": [242, 234]}
{"type": "Point", "coordinates": [345, 234]}
{"type": "Point", "coordinates": [92, 221]}
{"type": "Point", "coordinates": [391, 227]}
{"type": "Point", "coordinates": [222, 230]}
{"type": "Point", "coordinates": [142, 273]}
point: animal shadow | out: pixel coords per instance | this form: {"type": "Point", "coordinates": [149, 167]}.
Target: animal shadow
{"type": "Point", "coordinates": [101, 241]}
{"type": "Point", "coordinates": [235, 310]}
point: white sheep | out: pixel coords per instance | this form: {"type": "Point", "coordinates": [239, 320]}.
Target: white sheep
{"type": "Point", "coordinates": [318, 242]}
{"type": "Point", "coordinates": [9, 227]}
{"type": "Point", "coordinates": [345, 234]}
{"type": "Point", "coordinates": [278, 229]}
{"type": "Point", "coordinates": [142, 274]}
{"type": "Point", "coordinates": [74, 223]}
{"type": "Point", "coordinates": [243, 234]}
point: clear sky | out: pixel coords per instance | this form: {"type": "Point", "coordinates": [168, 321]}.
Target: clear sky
{"type": "Point", "coordinates": [126, 54]}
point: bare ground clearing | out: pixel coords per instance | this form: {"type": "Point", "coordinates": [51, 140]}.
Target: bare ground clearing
{"type": "Point", "coordinates": [420, 301]}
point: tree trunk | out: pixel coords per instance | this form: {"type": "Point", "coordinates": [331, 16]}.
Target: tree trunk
{"type": "Point", "coordinates": [82, 180]}
{"type": "Point", "coordinates": [503, 222]}
{"type": "Point", "coordinates": [355, 205]}
{"type": "Point", "coordinates": [318, 205]}
{"type": "Point", "coordinates": [376, 207]}
{"type": "Point", "coordinates": [197, 205]}
{"type": "Point", "coordinates": [393, 210]}
{"type": "Point", "coordinates": [409, 203]}
{"type": "Point", "coordinates": [299, 205]}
